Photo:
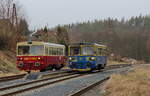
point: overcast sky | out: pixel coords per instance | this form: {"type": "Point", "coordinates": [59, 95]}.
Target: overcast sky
{"type": "Point", "coordinates": [54, 12]}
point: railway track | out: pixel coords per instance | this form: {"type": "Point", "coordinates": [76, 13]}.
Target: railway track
{"type": "Point", "coordinates": [54, 78]}
{"type": "Point", "coordinates": [9, 78]}
{"type": "Point", "coordinates": [87, 88]}
{"type": "Point", "coordinates": [98, 83]}
{"type": "Point", "coordinates": [118, 66]}
{"type": "Point", "coordinates": [19, 88]}
{"type": "Point", "coordinates": [15, 77]}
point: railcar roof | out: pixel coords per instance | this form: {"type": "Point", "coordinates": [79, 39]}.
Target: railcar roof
{"type": "Point", "coordinates": [39, 43]}
{"type": "Point", "coordinates": [87, 44]}
{"type": "Point", "coordinates": [53, 44]}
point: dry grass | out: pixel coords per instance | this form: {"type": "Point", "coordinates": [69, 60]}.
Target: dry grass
{"type": "Point", "coordinates": [7, 74]}
{"type": "Point", "coordinates": [11, 74]}
{"type": "Point", "coordinates": [7, 63]}
{"type": "Point", "coordinates": [110, 62]}
{"type": "Point", "coordinates": [136, 83]}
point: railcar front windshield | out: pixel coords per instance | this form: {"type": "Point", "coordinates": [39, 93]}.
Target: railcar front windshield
{"type": "Point", "coordinates": [31, 50]}
{"type": "Point", "coordinates": [37, 50]}
{"type": "Point", "coordinates": [87, 51]}
{"type": "Point", "coordinates": [23, 50]}
{"type": "Point", "coordinates": [75, 51]}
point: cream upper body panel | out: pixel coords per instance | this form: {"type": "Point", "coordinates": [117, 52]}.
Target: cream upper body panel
{"type": "Point", "coordinates": [40, 43]}
{"type": "Point", "coordinates": [47, 46]}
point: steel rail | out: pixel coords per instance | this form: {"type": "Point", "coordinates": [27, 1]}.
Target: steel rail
{"type": "Point", "coordinates": [40, 85]}
{"type": "Point", "coordinates": [57, 76]}
{"type": "Point", "coordinates": [54, 77]}
{"type": "Point", "coordinates": [35, 81]}
{"type": "Point", "coordinates": [9, 78]}
{"type": "Point", "coordinates": [86, 89]}
{"type": "Point", "coordinates": [118, 65]}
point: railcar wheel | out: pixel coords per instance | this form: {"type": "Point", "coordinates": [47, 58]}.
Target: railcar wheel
{"type": "Point", "coordinates": [103, 66]}
{"type": "Point", "coordinates": [50, 67]}
{"type": "Point", "coordinates": [62, 65]}
{"type": "Point", "coordinates": [28, 72]}
{"type": "Point", "coordinates": [58, 67]}
{"type": "Point", "coordinates": [99, 66]}
{"type": "Point", "coordinates": [42, 70]}
{"type": "Point", "coordinates": [91, 70]}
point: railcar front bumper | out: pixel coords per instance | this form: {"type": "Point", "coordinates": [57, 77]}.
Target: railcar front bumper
{"type": "Point", "coordinates": [82, 70]}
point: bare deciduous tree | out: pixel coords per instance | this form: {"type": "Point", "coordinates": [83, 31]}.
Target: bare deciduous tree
{"type": "Point", "coordinates": [11, 27]}
{"type": "Point", "coordinates": [6, 9]}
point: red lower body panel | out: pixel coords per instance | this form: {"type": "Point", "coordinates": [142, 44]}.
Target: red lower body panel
{"type": "Point", "coordinates": [28, 63]}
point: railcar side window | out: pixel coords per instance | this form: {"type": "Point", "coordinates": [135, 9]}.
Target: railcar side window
{"type": "Point", "coordinates": [61, 51]}
{"type": "Point", "coordinates": [50, 51]}
{"type": "Point", "coordinates": [75, 51]}
{"type": "Point", "coordinates": [23, 50]}
{"type": "Point", "coordinates": [58, 52]}
{"type": "Point", "coordinates": [54, 51]}
{"type": "Point", "coordinates": [99, 51]}
{"type": "Point", "coordinates": [46, 51]}
{"type": "Point", "coordinates": [104, 52]}
{"type": "Point", "coordinates": [37, 50]}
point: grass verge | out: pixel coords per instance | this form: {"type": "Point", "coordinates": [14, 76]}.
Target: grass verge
{"type": "Point", "coordinates": [135, 83]}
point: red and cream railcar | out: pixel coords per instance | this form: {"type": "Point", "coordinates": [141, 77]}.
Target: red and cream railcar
{"type": "Point", "coordinates": [40, 56]}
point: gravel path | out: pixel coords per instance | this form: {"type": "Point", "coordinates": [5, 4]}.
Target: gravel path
{"type": "Point", "coordinates": [70, 86]}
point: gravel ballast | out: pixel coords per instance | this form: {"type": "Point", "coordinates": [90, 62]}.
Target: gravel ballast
{"type": "Point", "coordinates": [70, 86]}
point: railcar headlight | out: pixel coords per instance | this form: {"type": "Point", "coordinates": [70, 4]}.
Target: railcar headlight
{"type": "Point", "coordinates": [92, 58]}
{"type": "Point", "coordinates": [37, 64]}
{"type": "Point", "coordinates": [20, 58]}
{"type": "Point", "coordinates": [39, 58]}
{"type": "Point", "coordinates": [71, 58]}
{"type": "Point", "coordinates": [20, 64]}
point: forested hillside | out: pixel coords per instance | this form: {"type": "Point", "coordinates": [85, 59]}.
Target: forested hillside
{"type": "Point", "coordinates": [13, 28]}
{"type": "Point", "coordinates": [13, 25]}
{"type": "Point", "coordinates": [127, 38]}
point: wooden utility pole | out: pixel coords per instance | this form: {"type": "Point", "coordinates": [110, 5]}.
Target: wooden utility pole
{"type": "Point", "coordinates": [14, 18]}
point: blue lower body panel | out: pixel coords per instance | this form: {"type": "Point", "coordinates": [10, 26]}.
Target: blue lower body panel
{"type": "Point", "coordinates": [85, 63]}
